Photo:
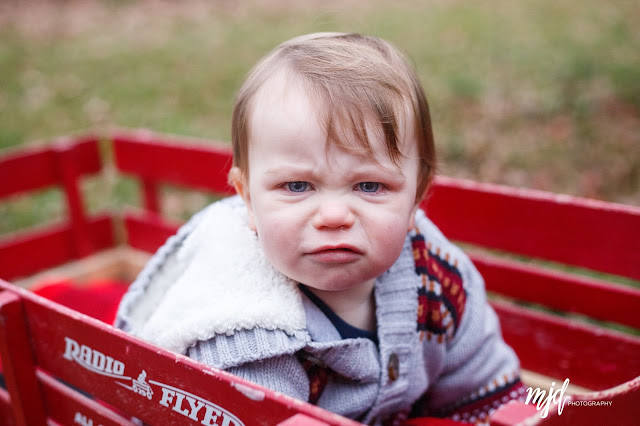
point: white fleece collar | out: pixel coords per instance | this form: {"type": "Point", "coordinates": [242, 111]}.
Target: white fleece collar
{"type": "Point", "coordinates": [224, 284]}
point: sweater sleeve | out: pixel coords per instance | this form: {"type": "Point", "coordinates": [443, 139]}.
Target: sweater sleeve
{"type": "Point", "coordinates": [479, 371]}
{"type": "Point", "coordinates": [280, 372]}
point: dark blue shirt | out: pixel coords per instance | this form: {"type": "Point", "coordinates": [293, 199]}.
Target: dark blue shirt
{"type": "Point", "coordinates": [346, 330]}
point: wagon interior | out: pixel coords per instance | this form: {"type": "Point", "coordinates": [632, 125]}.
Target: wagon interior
{"type": "Point", "coordinates": [563, 274]}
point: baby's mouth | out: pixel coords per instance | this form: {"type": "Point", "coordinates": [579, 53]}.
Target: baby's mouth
{"type": "Point", "coordinates": [336, 254]}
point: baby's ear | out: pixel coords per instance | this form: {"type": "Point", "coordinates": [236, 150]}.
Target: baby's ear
{"type": "Point", "coordinates": [238, 180]}
{"type": "Point", "coordinates": [412, 218]}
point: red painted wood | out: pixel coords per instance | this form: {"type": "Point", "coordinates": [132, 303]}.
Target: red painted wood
{"type": "Point", "coordinates": [18, 362]}
{"type": "Point", "coordinates": [151, 197]}
{"type": "Point", "coordinates": [433, 421]}
{"type": "Point", "coordinates": [147, 231]}
{"type": "Point", "coordinates": [621, 409]}
{"type": "Point", "coordinates": [589, 356]}
{"type": "Point", "coordinates": [68, 165]}
{"type": "Point", "coordinates": [513, 413]}
{"type": "Point", "coordinates": [587, 233]}
{"type": "Point", "coordinates": [570, 293]}
{"type": "Point", "coordinates": [68, 407]}
{"type": "Point", "coordinates": [31, 251]}
{"type": "Point", "coordinates": [6, 412]}
{"type": "Point", "coordinates": [302, 420]}
{"type": "Point", "coordinates": [153, 157]}
{"type": "Point", "coordinates": [597, 235]}
{"type": "Point", "coordinates": [35, 168]}
{"type": "Point", "coordinates": [62, 339]}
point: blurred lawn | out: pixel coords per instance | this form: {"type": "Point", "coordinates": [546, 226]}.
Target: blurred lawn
{"type": "Point", "coordinates": [544, 95]}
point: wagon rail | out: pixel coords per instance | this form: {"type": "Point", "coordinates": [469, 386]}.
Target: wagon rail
{"type": "Point", "coordinates": [541, 255]}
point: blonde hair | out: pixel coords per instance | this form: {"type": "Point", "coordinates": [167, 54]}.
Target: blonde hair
{"type": "Point", "coordinates": [355, 80]}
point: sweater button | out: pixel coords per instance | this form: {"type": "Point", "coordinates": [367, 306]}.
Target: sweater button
{"type": "Point", "coordinates": [393, 367]}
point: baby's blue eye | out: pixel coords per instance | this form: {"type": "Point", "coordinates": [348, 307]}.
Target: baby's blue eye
{"type": "Point", "coordinates": [369, 186]}
{"type": "Point", "coordinates": [297, 186]}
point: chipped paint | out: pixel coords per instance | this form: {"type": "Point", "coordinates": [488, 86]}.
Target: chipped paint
{"type": "Point", "coordinates": [249, 392]}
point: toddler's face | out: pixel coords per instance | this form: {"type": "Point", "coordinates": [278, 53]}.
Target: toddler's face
{"type": "Point", "coordinates": [327, 218]}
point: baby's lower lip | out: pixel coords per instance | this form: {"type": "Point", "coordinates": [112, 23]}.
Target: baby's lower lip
{"type": "Point", "coordinates": [335, 256]}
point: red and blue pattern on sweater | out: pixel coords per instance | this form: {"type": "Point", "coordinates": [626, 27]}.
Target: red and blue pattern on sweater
{"type": "Point", "coordinates": [441, 297]}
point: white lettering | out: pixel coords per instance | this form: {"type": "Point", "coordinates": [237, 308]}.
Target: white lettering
{"type": "Point", "coordinates": [92, 359]}
{"type": "Point", "coordinates": [167, 397]}
{"type": "Point", "coordinates": [108, 368]}
{"type": "Point", "coordinates": [543, 403]}
{"type": "Point", "coordinates": [227, 421]}
{"type": "Point", "coordinates": [71, 349]}
{"type": "Point", "coordinates": [195, 406]}
{"type": "Point", "coordinates": [83, 420]}
{"type": "Point", "coordinates": [590, 403]}
{"type": "Point", "coordinates": [98, 361]}
{"type": "Point", "coordinates": [212, 415]}
{"type": "Point", "coordinates": [209, 418]}
{"type": "Point", "coordinates": [178, 406]}
{"type": "Point", "coordinates": [118, 367]}
{"type": "Point", "coordinates": [85, 354]}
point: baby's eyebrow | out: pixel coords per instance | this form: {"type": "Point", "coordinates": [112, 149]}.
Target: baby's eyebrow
{"type": "Point", "coordinates": [285, 170]}
{"type": "Point", "coordinates": [364, 173]}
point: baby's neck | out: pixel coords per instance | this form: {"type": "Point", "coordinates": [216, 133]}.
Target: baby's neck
{"type": "Point", "coordinates": [355, 305]}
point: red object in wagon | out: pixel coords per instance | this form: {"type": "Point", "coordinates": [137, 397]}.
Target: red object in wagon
{"type": "Point", "coordinates": [604, 237]}
{"type": "Point", "coordinates": [98, 299]}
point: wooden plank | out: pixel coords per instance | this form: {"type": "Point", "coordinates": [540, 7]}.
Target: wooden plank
{"type": "Point", "coordinates": [152, 384]}
{"type": "Point", "coordinates": [590, 356]}
{"type": "Point", "coordinates": [121, 263]}
{"type": "Point", "coordinates": [151, 196]}
{"type": "Point", "coordinates": [36, 168]}
{"type": "Point", "coordinates": [148, 231]}
{"type": "Point", "coordinates": [18, 362]}
{"type": "Point", "coordinates": [68, 167]}
{"type": "Point", "coordinates": [158, 158]}
{"type": "Point", "coordinates": [67, 406]}
{"type": "Point", "coordinates": [301, 420]}
{"type": "Point", "coordinates": [571, 293]}
{"type": "Point", "coordinates": [593, 234]}
{"type": "Point", "coordinates": [6, 412]}
{"type": "Point", "coordinates": [535, 380]}
{"type": "Point", "coordinates": [31, 251]}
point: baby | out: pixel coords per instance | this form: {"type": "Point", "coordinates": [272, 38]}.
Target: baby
{"type": "Point", "coordinates": [323, 279]}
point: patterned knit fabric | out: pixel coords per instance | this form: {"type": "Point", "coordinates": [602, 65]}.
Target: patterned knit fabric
{"type": "Point", "coordinates": [440, 351]}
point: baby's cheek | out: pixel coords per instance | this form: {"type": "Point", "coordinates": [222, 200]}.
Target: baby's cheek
{"type": "Point", "coordinates": [278, 242]}
{"type": "Point", "coordinates": [391, 238]}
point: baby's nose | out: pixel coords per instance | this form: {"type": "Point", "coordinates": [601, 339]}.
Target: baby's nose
{"type": "Point", "coordinates": [333, 215]}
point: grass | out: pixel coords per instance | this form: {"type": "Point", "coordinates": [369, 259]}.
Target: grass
{"type": "Point", "coordinates": [542, 95]}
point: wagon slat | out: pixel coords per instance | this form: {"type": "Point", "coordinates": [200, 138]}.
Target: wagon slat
{"type": "Point", "coordinates": [593, 234]}
{"type": "Point", "coordinates": [531, 247]}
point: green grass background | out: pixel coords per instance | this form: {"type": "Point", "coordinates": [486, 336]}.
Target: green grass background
{"type": "Point", "coordinates": [543, 95]}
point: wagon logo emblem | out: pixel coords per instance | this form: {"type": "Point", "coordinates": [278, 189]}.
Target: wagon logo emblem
{"type": "Point", "coordinates": [141, 386]}
{"type": "Point", "coordinates": [183, 402]}
{"type": "Point", "coordinates": [179, 400]}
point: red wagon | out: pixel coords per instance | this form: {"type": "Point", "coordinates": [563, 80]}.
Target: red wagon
{"type": "Point", "coordinates": [548, 261]}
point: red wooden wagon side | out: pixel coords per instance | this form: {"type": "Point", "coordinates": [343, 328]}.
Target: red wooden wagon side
{"type": "Point", "coordinates": [541, 254]}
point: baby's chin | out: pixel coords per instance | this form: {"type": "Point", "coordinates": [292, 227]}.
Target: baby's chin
{"type": "Point", "coordinates": [336, 284]}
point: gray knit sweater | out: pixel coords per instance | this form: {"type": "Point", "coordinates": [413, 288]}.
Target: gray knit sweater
{"type": "Point", "coordinates": [210, 293]}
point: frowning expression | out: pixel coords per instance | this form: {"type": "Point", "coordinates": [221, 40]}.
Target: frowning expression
{"type": "Point", "coordinates": [326, 217]}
